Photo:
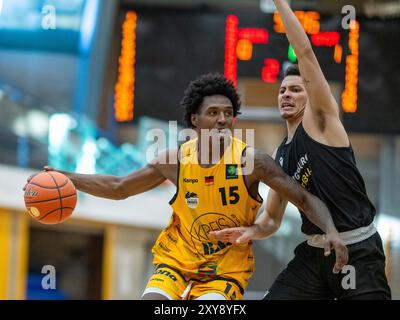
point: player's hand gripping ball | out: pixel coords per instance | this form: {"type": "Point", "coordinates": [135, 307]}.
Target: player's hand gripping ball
{"type": "Point", "coordinates": [50, 197]}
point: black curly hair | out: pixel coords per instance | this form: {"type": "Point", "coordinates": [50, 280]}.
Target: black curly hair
{"type": "Point", "coordinates": [207, 85]}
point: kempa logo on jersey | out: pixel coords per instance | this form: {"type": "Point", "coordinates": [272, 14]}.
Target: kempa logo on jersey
{"type": "Point", "coordinates": [192, 200]}
{"type": "Point", "coordinates": [189, 180]}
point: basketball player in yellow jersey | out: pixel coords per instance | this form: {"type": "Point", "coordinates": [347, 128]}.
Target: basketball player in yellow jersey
{"type": "Point", "coordinates": [208, 198]}
{"type": "Point", "coordinates": [213, 193]}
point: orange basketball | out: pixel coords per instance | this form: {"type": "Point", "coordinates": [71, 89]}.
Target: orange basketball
{"type": "Point", "coordinates": [50, 197]}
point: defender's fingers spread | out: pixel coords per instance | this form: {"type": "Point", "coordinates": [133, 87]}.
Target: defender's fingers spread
{"type": "Point", "coordinates": [342, 255]}
{"type": "Point", "coordinates": [339, 263]}
{"type": "Point", "coordinates": [220, 232]}
{"type": "Point", "coordinates": [345, 256]}
{"type": "Point", "coordinates": [341, 260]}
{"type": "Point", "coordinates": [336, 269]}
{"type": "Point", "coordinates": [217, 233]}
{"type": "Point", "coordinates": [327, 249]}
{"type": "Point", "coordinates": [242, 239]}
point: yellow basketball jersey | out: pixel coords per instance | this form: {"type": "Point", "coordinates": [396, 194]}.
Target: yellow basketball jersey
{"type": "Point", "coordinates": [208, 199]}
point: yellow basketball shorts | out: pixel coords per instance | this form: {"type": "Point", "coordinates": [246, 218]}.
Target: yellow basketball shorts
{"type": "Point", "coordinates": [170, 281]}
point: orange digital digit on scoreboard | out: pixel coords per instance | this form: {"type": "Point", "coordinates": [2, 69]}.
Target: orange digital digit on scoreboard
{"type": "Point", "coordinates": [239, 46]}
{"type": "Point", "coordinates": [125, 87]}
{"type": "Point", "coordinates": [349, 95]}
{"type": "Point", "coordinates": [308, 19]}
{"type": "Point", "coordinates": [231, 40]}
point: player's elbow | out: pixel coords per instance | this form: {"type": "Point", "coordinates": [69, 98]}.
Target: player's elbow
{"type": "Point", "coordinates": [305, 202]}
{"type": "Point", "coordinates": [275, 224]}
{"type": "Point", "coordinates": [268, 227]}
{"type": "Point", "coordinates": [119, 189]}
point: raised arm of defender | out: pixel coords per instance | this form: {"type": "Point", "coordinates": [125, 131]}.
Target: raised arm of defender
{"type": "Point", "coordinates": [316, 85]}
{"type": "Point", "coordinates": [322, 112]}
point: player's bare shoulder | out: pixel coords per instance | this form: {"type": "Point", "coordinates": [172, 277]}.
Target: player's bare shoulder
{"type": "Point", "coordinates": [167, 163]}
{"type": "Point", "coordinates": [256, 163]}
{"type": "Point", "coordinates": [263, 161]}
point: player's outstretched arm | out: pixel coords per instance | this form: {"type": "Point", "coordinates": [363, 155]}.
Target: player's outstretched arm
{"type": "Point", "coordinates": [266, 224]}
{"type": "Point", "coordinates": [113, 187]}
{"type": "Point", "coordinates": [118, 188]}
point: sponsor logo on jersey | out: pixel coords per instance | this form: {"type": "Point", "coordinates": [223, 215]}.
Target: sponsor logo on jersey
{"type": "Point", "coordinates": [192, 200]}
{"type": "Point", "coordinates": [281, 161]}
{"type": "Point", "coordinates": [189, 180]}
{"type": "Point", "coordinates": [231, 171]}
{"type": "Point", "coordinates": [166, 273]}
{"type": "Point", "coordinates": [199, 232]}
{"type": "Point", "coordinates": [303, 172]}
{"type": "Point", "coordinates": [209, 181]}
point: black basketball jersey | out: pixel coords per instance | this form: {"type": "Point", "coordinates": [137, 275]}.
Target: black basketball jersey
{"type": "Point", "coordinates": [330, 173]}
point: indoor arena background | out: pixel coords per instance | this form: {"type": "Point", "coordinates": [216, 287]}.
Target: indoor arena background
{"type": "Point", "coordinates": [83, 81]}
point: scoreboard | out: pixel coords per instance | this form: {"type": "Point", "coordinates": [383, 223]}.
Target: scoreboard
{"type": "Point", "coordinates": [163, 49]}
{"type": "Point", "coordinates": [239, 46]}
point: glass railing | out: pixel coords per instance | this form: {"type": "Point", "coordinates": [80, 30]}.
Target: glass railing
{"type": "Point", "coordinates": [33, 134]}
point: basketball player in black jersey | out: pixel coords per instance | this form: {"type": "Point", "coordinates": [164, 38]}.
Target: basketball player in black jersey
{"type": "Point", "coordinates": [317, 154]}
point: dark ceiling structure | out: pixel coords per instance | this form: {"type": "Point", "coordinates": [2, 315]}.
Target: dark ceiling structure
{"type": "Point", "coordinates": [369, 8]}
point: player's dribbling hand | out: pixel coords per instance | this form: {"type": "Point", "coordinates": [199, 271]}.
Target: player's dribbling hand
{"type": "Point", "coordinates": [333, 241]}
{"type": "Point", "coordinates": [45, 168]}
{"type": "Point", "coordinates": [27, 181]}
{"type": "Point", "coordinates": [233, 235]}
